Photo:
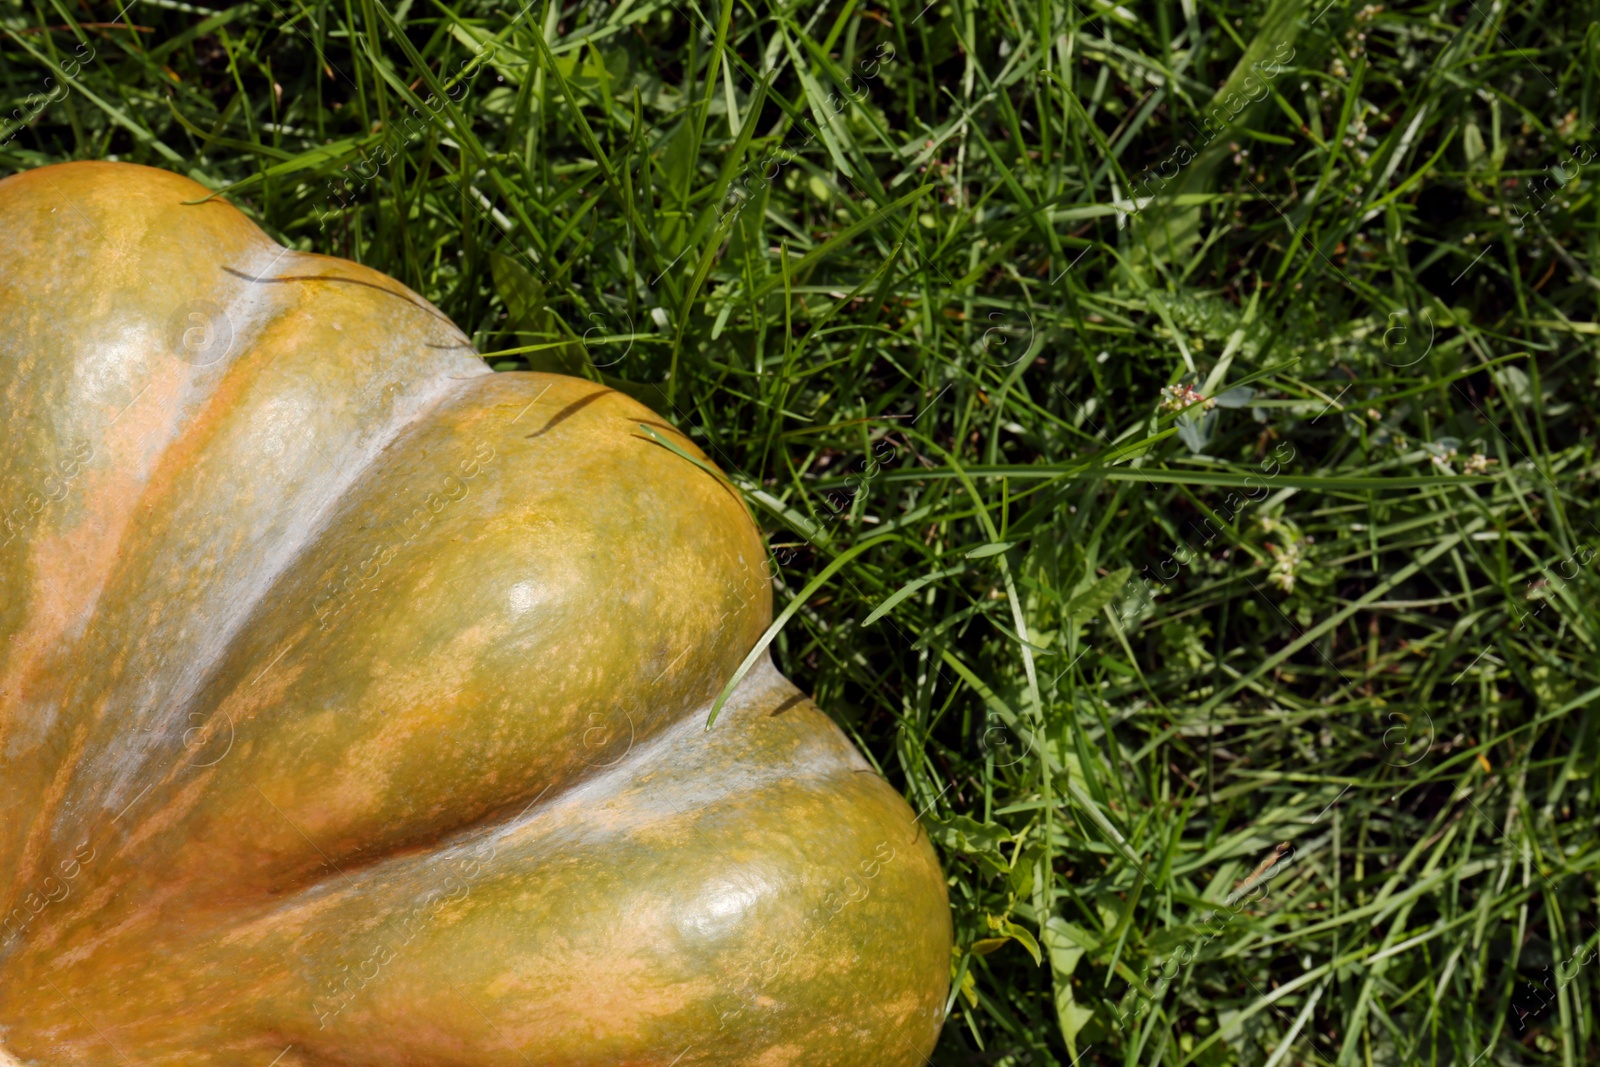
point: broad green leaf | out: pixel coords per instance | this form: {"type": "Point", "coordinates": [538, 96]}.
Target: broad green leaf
{"type": "Point", "coordinates": [1066, 944]}
{"type": "Point", "coordinates": [1097, 596]}
{"type": "Point", "coordinates": [1023, 938]}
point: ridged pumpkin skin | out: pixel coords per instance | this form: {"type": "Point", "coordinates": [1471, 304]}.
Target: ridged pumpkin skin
{"type": "Point", "coordinates": [353, 697]}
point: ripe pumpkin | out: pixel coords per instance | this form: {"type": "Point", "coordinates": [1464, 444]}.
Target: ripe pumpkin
{"type": "Point", "coordinates": [353, 697]}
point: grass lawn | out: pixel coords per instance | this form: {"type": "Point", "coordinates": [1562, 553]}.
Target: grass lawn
{"type": "Point", "coordinates": [1174, 424]}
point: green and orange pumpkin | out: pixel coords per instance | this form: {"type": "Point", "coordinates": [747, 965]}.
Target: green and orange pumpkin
{"type": "Point", "coordinates": [353, 697]}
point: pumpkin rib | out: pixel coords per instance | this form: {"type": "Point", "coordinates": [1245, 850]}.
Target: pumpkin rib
{"type": "Point", "coordinates": [229, 631]}
{"type": "Point", "coordinates": [254, 317]}
{"type": "Point", "coordinates": [404, 294]}
{"type": "Point", "coordinates": [190, 700]}
{"type": "Point", "coordinates": [199, 672]}
{"type": "Point", "coordinates": [663, 845]}
{"type": "Point", "coordinates": [25, 867]}
{"type": "Point", "coordinates": [756, 691]}
{"type": "Point", "coordinates": [255, 321]}
{"type": "Point", "coordinates": [639, 813]}
{"type": "Point", "coordinates": [675, 481]}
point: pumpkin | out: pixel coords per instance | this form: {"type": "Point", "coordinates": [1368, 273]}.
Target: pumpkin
{"type": "Point", "coordinates": [354, 698]}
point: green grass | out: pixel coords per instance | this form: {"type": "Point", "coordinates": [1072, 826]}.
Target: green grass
{"type": "Point", "coordinates": [1118, 653]}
